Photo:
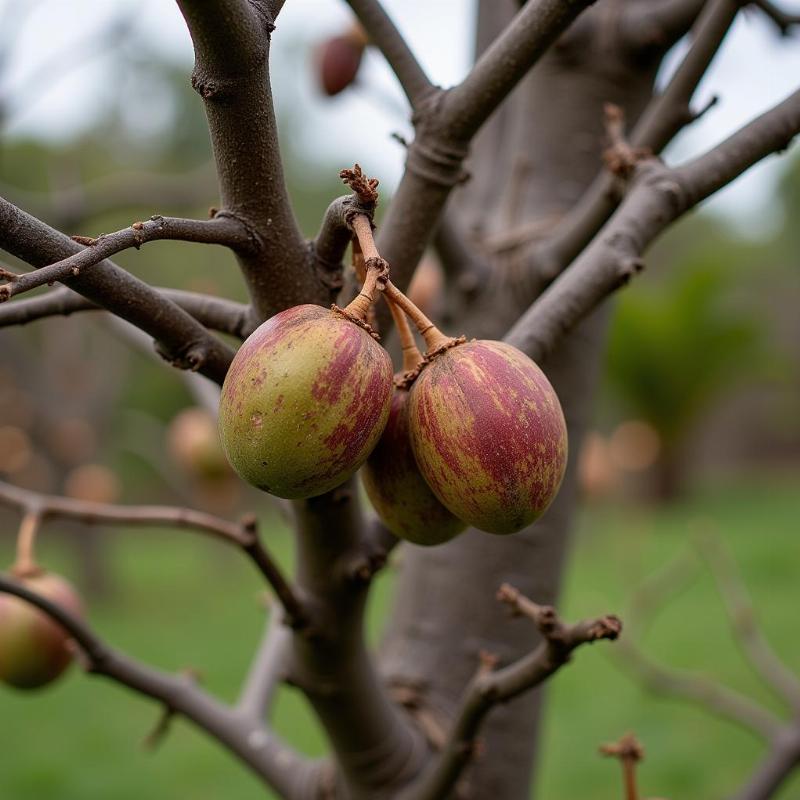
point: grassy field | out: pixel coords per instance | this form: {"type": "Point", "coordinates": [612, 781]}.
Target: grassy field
{"type": "Point", "coordinates": [183, 601]}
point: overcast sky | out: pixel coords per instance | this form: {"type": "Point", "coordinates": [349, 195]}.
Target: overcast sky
{"type": "Point", "coordinates": [755, 69]}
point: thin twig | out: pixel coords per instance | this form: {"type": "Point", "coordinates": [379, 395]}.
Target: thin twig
{"type": "Point", "coordinates": [720, 700]}
{"type": "Point", "coordinates": [490, 687]}
{"type": "Point", "coordinates": [658, 196]}
{"type": "Point", "coordinates": [665, 115]}
{"type": "Point", "coordinates": [222, 229]}
{"type": "Point", "coordinates": [267, 669]}
{"type": "Point", "coordinates": [243, 534]}
{"type": "Point", "coordinates": [774, 673]}
{"type": "Point", "coordinates": [179, 338]}
{"type": "Point", "coordinates": [215, 313]}
{"type": "Point", "coordinates": [256, 746]}
{"type": "Point", "coordinates": [385, 36]}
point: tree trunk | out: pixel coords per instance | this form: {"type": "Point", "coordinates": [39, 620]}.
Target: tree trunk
{"type": "Point", "coordinates": [550, 132]}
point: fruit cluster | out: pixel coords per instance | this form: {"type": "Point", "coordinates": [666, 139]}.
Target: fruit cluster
{"type": "Point", "coordinates": [471, 433]}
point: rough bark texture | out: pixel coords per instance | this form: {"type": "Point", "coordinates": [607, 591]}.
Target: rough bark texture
{"type": "Point", "coordinates": [558, 152]}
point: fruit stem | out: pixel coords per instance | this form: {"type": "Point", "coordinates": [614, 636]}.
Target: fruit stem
{"type": "Point", "coordinates": [411, 354]}
{"type": "Point", "coordinates": [25, 562]}
{"type": "Point", "coordinates": [360, 305]}
{"type": "Point", "coordinates": [434, 338]}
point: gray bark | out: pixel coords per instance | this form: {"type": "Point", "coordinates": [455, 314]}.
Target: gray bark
{"type": "Point", "coordinates": [445, 611]}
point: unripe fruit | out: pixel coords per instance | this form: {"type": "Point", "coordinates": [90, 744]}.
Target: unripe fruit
{"type": "Point", "coordinates": [397, 490]}
{"type": "Point", "coordinates": [488, 434]}
{"type": "Point", "coordinates": [304, 402]}
{"type": "Point", "coordinates": [193, 442]}
{"type": "Point", "coordinates": [338, 59]}
{"type": "Point", "coordinates": [34, 649]}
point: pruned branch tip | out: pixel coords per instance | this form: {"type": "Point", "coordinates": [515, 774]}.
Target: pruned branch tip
{"type": "Point", "coordinates": [366, 189]}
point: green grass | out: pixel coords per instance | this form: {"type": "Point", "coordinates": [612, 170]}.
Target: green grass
{"type": "Point", "coordinates": [183, 601]}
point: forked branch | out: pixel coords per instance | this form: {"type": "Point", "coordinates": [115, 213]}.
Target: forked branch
{"type": "Point", "coordinates": [665, 115]}
{"type": "Point", "coordinates": [385, 36]}
{"type": "Point", "coordinates": [491, 686]}
{"type": "Point", "coordinates": [243, 534]}
{"type": "Point", "coordinates": [180, 339]}
{"type": "Point", "coordinates": [658, 196]}
{"type": "Point", "coordinates": [255, 745]}
{"type": "Point", "coordinates": [223, 229]}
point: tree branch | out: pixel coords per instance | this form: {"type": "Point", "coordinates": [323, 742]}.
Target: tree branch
{"type": "Point", "coordinates": [666, 114]}
{"type": "Point", "coordinates": [215, 313]}
{"type": "Point", "coordinates": [258, 748]}
{"type": "Point", "coordinates": [782, 681]}
{"type": "Point", "coordinates": [180, 339]}
{"type": "Point", "coordinates": [782, 758]}
{"type": "Point", "coordinates": [268, 669]}
{"type": "Point", "coordinates": [491, 687]}
{"type": "Point", "coordinates": [243, 534]}
{"type": "Point", "coordinates": [784, 20]}
{"type": "Point", "coordinates": [658, 23]}
{"type": "Point", "coordinates": [717, 699]}
{"type": "Point", "coordinates": [385, 36]}
{"type": "Point", "coordinates": [657, 197]}
{"type": "Point", "coordinates": [506, 61]}
{"type": "Point", "coordinates": [375, 746]}
{"type": "Point", "coordinates": [231, 74]}
{"type": "Point", "coordinates": [223, 230]}
{"type": "Point", "coordinates": [446, 122]}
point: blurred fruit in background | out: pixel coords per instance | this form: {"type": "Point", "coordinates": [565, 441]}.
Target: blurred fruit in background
{"type": "Point", "coordinates": [93, 483]}
{"type": "Point", "coordinates": [338, 58]}
{"type": "Point", "coordinates": [193, 443]}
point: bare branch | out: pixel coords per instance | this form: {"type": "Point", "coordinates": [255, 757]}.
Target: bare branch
{"type": "Point", "coordinates": [717, 699]}
{"type": "Point", "coordinates": [782, 681]}
{"type": "Point", "coordinates": [215, 313]}
{"type": "Point", "coordinates": [446, 122]}
{"type": "Point", "coordinates": [666, 114]}
{"type": "Point", "coordinates": [536, 26]}
{"type": "Point", "coordinates": [658, 196]}
{"type": "Point", "coordinates": [385, 36]}
{"type": "Point", "coordinates": [231, 73]}
{"type": "Point", "coordinates": [182, 340]}
{"type": "Point", "coordinates": [223, 229]}
{"type": "Point", "coordinates": [720, 700]}
{"type": "Point", "coordinates": [782, 758]}
{"type": "Point", "coordinates": [268, 669]}
{"type": "Point", "coordinates": [253, 744]}
{"type": "Point", "coordinates": [658, 23]}
{"type": "Point", "coordinates": [783, 19]}
{"type": "Point", "coordinates": [490, 687]}
{"type": "Point", "coordinates": [375, 746]}
{"type": "Point", "coordinates": [244, 534]}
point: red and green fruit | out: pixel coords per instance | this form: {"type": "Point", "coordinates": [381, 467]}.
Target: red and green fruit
{"type": "Point", "coordinates": [397, 490]}
{"type": "Point", "coordinates": [488, 435]}
{"type": "Point", "coordinates": [304, 402]}
{"type": "Point", "coordinates": [34, 650]}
